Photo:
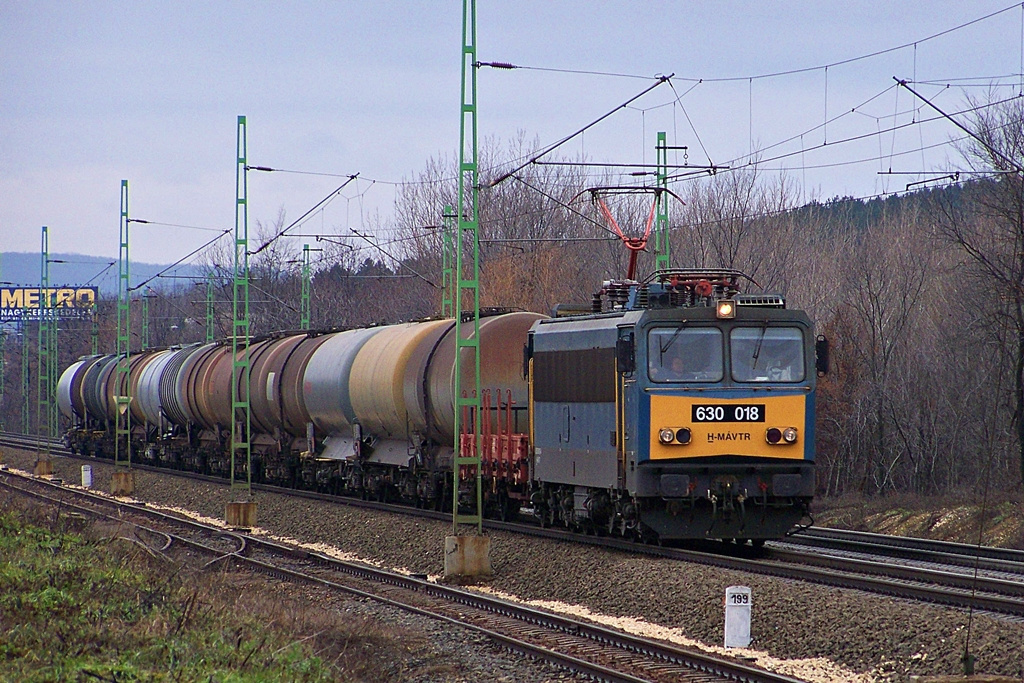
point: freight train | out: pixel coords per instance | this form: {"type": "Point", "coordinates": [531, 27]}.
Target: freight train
{"type": "Point", "coordinates": [673, 408]}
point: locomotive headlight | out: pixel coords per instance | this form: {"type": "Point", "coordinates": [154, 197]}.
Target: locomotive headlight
{"type": "Point", "coordinates": [666, 435]}
{"type": "Point", "coordinates": [726, 309]}
{"type": "Point", "coordinates": [683, 435]}
{"type": "Point", "coordinates": [777, 435]}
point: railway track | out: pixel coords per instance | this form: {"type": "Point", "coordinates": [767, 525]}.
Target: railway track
{"type": "Point", "coordinates": [984, 558]}
{"type": "Point", "coordinates": [592, 651]}
{"type": "Point", "coordinates": [851, 566]}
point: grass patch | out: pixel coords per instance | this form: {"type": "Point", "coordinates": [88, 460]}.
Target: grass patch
{"type": "Point", "coordinates": [78, 605]}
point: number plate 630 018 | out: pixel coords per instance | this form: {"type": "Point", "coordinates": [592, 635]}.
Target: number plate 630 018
{"type": "Point", "coordinates": [728, 413]}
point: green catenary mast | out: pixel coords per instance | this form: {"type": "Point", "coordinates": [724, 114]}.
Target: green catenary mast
{"type": "Point", "coordinates": [26, 378]}
{"type": "Point", "coordinates": [467, 282]}
{"type": "Point", "coordinates": [3, 375]}
{"type": "Point", "coordinates": [54, 372]}
{"type": "Point", "coordinates": [661, 246]}
{"type": "Point", "coordinates": [3, 379]}
{"type": "Point", "coordinates": [209, 308]}
{"type": "Point", "coordinates": [95, 316]}
{"type": "Point", "coordinates": [122, 398]}
{"type": "Point", "coordinates": [304, 308]}
{"type": "Point", "coordinates": [447, 256]}
{"type": "Point", "coordinates": [145, 321]}
{"type": "Point", "coordinates": [43, 364]}
{"type": "Point", "coordinates": [241, 451]}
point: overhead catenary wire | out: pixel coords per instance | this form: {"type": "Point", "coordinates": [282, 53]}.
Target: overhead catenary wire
{"type": "Point", "coordinates": [97, 275]}
{"type": "Point", "coordinates": [776, 74]}
{"type": "Point", "coordinates": [851, 60]}
{"type": "Point", "coordinates": [854, 138]}
{"type": "Point", "coordinates": [334, 193]}
{"type": "Point", "coordinates": [964, 128]}
{"type": "Point", "coordinates": [181, 260]}
{"type": "Point", "coordinates": [565, 206]}
{"type": "Point", "coordinates": [507, 66]}
{"type": "Point", "coordinates": [252, 283]}
{"type": "Point", "coordinates": [174, 225]}
{"type": "Point", "coordinates": [398, 261]}
{"type": "Point", "coordinates": [702, 80]}
{"type": "Point", "coordinates": [552, 147]}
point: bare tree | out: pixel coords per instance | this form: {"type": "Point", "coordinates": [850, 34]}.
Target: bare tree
{"type": "Point", "coordinates": [986, 221]}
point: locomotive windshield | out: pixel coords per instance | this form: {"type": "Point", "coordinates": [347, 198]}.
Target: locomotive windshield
{"type": "Point", "coordinates": [684, 354]}
{"type": "Point", "coordinates": [763, 354]}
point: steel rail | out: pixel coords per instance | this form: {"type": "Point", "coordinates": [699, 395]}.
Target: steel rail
{"type": "Point", "coordinates": [907, 547]}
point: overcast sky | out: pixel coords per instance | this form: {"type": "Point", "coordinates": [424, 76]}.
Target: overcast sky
{"type": "Point", "coordinates": [93, 92]}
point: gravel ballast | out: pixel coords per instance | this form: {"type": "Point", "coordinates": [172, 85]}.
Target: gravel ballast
{"type": "Point", "coordinates": [804, 630]}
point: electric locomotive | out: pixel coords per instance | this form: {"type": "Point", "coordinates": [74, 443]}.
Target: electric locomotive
{"type": "Point", "coordinates": [677, 409]}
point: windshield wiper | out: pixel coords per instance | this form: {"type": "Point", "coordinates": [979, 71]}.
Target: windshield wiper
{"type": "Point", "coordinates": [757, 348]}
{"type": "Point", "coordinates": [665, 347]}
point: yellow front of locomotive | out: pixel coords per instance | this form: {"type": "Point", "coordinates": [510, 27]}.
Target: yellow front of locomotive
{"type": "Point", "coordinates": [754, 426]}
{"type": "Point", "coordinates": [724, 421]}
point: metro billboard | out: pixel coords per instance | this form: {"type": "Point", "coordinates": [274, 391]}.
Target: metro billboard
{"type": "Point", "coordinates": [29, 303]}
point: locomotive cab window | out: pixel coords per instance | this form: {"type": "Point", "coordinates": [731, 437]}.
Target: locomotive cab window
{"type": "Point", "coordinates": [767, 354]}
{"type": "Point", "coordinates": [684, 354]}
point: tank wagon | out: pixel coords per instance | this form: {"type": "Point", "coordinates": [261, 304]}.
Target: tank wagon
{"type": "Point", "coordinates": [674, 408]}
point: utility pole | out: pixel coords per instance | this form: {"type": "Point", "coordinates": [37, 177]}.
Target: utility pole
{"type": "Point", "coordinates": [241, 514]}
{"type": "Point", "coordinates": [123, 480]}
{"type": "Point", "coordinates": [661, 245]}
{"type": "Point", "coordinates": [43, 464]}
{"type": "Point", "coordinates": [466, 555]}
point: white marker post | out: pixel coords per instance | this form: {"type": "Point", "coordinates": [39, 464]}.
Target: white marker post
{"type": "Point", "coordinates": [738, 602]}
{"type": "Point", "coordinates": [86, 476]}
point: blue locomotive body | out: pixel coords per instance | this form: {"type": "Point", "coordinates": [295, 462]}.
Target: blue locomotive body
{"type": "Point", "coordinates": [671, 416]}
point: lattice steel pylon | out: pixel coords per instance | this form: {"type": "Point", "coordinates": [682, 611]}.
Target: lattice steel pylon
{"type": "Point", "coordinates": [95, 332]}
{"type": "Point", "coordinates": [467, 284]}
{"type": "Point", "coordinates": [43, 364]}
{"type": "Point", "coordinates": [304, 304]}
{"type": "Point", "coordinates": [3, 379]}
{"type": "Point", "coordinates": [54, 372]}
{"type": "Point", "coordinates": [447, 256]}
{"type": "Point", "coordinates": [26, 379]}
{"type": "Point", "coordinates": [145, 321]}
{"type": "Point", "coordinates": [122, 387]}
{"type": "Point", "coordinates": [241, 449]}
{"type": "Point", "coordinates": [3, 372]}
{"type": "Point", "coordinates": [210, 326]}
{"type": "Point", "coordinates": [661, 244]}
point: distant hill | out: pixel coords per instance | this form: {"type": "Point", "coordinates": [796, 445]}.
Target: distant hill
{"type": "Point", "coordinates": [22, 269]}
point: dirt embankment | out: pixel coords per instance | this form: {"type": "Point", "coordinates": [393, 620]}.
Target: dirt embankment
{"type": "Point", "coordinates": [944, 519]}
